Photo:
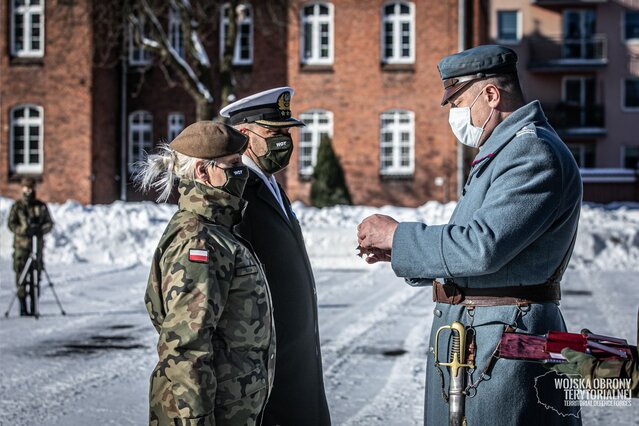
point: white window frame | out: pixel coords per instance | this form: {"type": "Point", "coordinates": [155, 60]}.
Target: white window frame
{"type": "Point", "coordinates": [316, 129]}
{"type": "Point", "coordinates": [396, 19]}
{"type": "Point", "coordinates": [316, 20]}
{"type": "Point", "coordinates": [624, 13]}
{"type": "Point", "coordinates": [237, 49]}
{"type": "Point", "coordinates": [139, 128]}
{"type": "Point", "coordinates": [396, 169]}
{"type": "Point", "coordinates": [519, 29]}
{"type": "Point", "coordinates": [176, 35]}
{"type": "Point", "coordinates": [175, 124]}
{"type": "Point", "coordinates": [623, 96]}
{"type": "Point", "coordinates": [26, 122]}
{"type": "Point", "coordinates": [143, 57]}
{"type": "Point", "coordinates": [27, 11]}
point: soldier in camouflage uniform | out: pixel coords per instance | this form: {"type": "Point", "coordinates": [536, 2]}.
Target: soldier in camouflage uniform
{"type": "Point", "coordinates": [207, 295]}
{"type": "Point", "coordinates": [28, 217]}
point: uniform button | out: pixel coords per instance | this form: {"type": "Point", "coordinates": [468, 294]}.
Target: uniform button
{"type": "Point", "coordinates": [437, 312]}
{"type": "Point", "coordinates": [431, 350]}
{"type": "Point", "coordinates": [263, 380]}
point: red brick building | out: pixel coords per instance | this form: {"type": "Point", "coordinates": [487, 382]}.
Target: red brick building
{"type": "Point", "coordinates": [364, 73]}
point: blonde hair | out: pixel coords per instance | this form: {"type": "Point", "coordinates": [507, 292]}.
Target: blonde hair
{"type": "Point", "coordinates": [160, 170]}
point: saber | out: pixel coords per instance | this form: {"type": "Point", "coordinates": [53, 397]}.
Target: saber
{"type": "Point", "coordinates": [457, 384]}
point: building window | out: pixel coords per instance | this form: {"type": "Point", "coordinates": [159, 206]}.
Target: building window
{"type": "Point", "coordinates": [631, 93]}
{"type": "Point", "coordinates": [584, 154]}
{"type": "Point", "coordinates": [317, 34]}
{"type": "Point", "coordinates": [319, 125]}
{"type": "Point", "coordinates": [140, 136]}
{"type": "Point", "coordinates": [631, 25]}
{"type": "Point", "coordinates": [631, 157]}
{"type": "Point", "coordinates": [398, 33]}
{"type": "Point", "coordinates": [578, 33]}
{"type": "Point", "coordinates": [176, 36]}
{"type": "Point", "coordinates": [27, 28]}
{"type": "Point", "coordinates": [26, 139]}
{"type": "Point", "coordinates": [138, 55]}
{"type": "Point", "coordinates": [397, 143]}
{"type": "Point", "coordinates": [508, 29]}
{"type": "Point", "coordinates": [176, 124]}
{"type": "Point", "coordinates": [243, 51]}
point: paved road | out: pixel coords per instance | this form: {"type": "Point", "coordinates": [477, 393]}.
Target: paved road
{"type": "Point", "coordinates": [92, 366]}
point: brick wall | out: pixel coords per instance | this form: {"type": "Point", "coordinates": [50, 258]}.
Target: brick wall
{"type": "Point", "coordinates": [357, 89]}
{"type": "Point", "coordinates": [60, 82]}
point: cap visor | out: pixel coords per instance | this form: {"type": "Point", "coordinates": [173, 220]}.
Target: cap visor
{"type": "Point", "coordinates": [452, 91]}
{"type": "Point", "coordinates": [291, 122]}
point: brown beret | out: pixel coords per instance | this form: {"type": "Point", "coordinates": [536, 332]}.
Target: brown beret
{"type": "Point", "coordinates": [28, 182]}
{"type": "Point", "coordinates": [208, 140]}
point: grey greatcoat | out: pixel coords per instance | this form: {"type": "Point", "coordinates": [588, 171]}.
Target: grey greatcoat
{"type": "Point", "coordinates": [513, 226]}
{"type": "Point", "coordinates": [298, 396]}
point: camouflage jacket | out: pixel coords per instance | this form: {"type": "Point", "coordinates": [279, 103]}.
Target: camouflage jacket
{"type": "Point", "coordinates": [23, 214]}
{"type": "Point", "coordinates": [208, 298]}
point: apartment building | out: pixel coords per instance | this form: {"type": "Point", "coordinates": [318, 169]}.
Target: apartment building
{"type": "Point", "coordinates": [581, 60]}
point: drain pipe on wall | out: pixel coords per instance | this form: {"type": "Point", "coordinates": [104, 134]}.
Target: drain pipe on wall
{"type": "Point", "coordinates": [461, 25]}
{"type": "Point", "coordinates": [123, 123]}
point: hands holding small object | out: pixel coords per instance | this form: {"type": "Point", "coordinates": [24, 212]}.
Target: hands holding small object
{"type": "Point", "coordinates": [375, 238]}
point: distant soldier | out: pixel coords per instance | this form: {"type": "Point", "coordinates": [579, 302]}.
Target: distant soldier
{"type": "Point", "coordinates": [207, 295]}
{"type": "Point", "coordinates": [28, 218]}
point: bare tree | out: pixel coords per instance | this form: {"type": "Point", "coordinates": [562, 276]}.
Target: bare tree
{"type": "Point", "coordinates": [144, 22]}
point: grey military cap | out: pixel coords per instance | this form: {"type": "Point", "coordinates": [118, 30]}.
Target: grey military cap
{"type": "Point", "coordinates": [209, 140]}
{"type": "Point", "coordinates": [461, 69]}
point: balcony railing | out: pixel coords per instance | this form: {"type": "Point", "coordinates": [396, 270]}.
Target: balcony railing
{"type": "Point", "coordinates": [562, 52]}
{"type": "Point", "coordinates": [566, 2]}
{"type": "Point", "coordinates": [576, 119]}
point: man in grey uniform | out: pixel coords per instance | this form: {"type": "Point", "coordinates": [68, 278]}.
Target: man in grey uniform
{"type": "Point", "coordinates": [502, 255]}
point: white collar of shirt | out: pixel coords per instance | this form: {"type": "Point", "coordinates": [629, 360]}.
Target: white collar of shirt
{"type": "Point", "coordinates": [270, 182]}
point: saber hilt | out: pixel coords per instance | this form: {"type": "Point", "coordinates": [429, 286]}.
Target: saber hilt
{"type": "Point", "coordinates": [458, 361]}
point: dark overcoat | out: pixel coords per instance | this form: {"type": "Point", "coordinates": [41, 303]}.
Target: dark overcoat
{"type": "Point", "coordinates": [298, 396]}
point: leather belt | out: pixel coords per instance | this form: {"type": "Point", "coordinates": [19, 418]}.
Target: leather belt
{"type": "Point", "coordinates": [496, 296]}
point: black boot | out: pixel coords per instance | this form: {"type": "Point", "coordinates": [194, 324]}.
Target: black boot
{"type": "Point", "coordinates": [23, 307]}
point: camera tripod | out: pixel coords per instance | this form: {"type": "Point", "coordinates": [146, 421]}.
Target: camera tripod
{"type": "Point", "coordinates": [31, 275]}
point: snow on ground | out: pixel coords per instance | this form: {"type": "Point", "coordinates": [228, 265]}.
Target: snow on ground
{"type": "Point", "coordinates": [92, 365]}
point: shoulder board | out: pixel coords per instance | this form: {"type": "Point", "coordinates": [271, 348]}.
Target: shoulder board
{"type": "Point", "coordinates": [530, 129]}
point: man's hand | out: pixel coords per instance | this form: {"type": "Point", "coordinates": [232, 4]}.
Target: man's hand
{"type": "Point", "coordinates": [376, 232]}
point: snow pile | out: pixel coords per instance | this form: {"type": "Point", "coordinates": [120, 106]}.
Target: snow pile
{"type": "Point", "coordinates": [127, 233]}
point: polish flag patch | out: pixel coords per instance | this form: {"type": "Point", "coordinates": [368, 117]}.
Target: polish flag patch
{"type": "Point", "coordinates": [200, 256]}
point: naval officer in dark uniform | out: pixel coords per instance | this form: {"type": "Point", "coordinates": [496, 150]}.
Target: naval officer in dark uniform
{"type": "Point", "coordinates": [501, 257]}
{"type": "Point", "coordinates": [270, 225]}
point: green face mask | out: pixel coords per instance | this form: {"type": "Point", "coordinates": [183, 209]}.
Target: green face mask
{"type": "Point", "coordinates": [278, 154]}
{"type": "Point", "coordinates": [236, 178]}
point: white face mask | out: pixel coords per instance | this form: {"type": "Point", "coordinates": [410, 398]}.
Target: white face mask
{"type": "Point", "coordinates": [465, 132]}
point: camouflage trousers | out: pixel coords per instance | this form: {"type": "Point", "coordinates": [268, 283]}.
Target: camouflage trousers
{"type": "Point", "coordinates": [19, 262]}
